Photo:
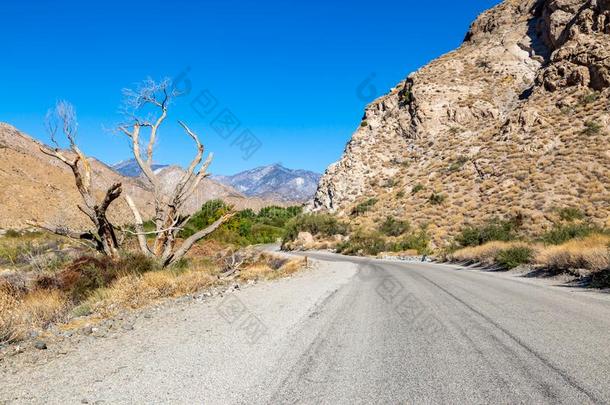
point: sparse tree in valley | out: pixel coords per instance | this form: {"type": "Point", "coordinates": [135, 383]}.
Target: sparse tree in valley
{"type": "Point", "coordinates": [147, 109]}
{"type": "Point", "coordinates": [103, 237]}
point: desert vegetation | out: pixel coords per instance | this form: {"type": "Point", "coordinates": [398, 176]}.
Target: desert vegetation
{"type": "Point", "coordinates": [571, 246]}
{"type": "Point", "coordinates": [51, 279]}
{"type": "Point", "coordinates": [56, 274]}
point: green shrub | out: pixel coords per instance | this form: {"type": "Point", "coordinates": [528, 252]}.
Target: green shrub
{"type": "Point", "coordinates": [592, 128]}
{"type": "Point", "coordinates": [364, 207]}
{"type": "Point", "coordinates": [88, 273]}
{"type": "Point", "coordinates": [514, 256]}
{"type": "Point", "coordinates": [601, 279]}
{"type": "Point", "coordinates": [363, 123]}
{"type": "Point", "coordinates": [393, 227]}
{"type": "Point", "coordinates": [210, 211]}
{"type": "Point", "coordinates": [400, 194]}
{"type": "Point", "coordinates": [417, 188]}
{"type": "Point", "coordinates": [419, 241]}
{"type": "Point", "coordinates": [315, 224]}
{"type": "Point", "coordinates": [494, 229]}
{"type": "Point", "coordinates": [561, 233]}
{"type": "Point", "coordinates": [436, 198]}
{"type": "Point", "coordinates": [361, 243]}
{"type": "Point", "coordinates": [246, 227]}
{"type": "Point", "coordinates": [570, 214]}
{"type": "Point", "coordinates": [589, 98]}
{"type": "Point", "coordinates": [11, 233]}
{"type": "Point", "coordinates": [458, 164]}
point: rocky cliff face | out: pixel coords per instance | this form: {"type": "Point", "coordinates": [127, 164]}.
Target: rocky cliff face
{"type": "Point", "coordinates": [513, 123]}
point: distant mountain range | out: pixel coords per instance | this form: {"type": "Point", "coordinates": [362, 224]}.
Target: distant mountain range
{"type": "Point", "coordinates": [35, 187]}
{"type": "Point", "coordinates": [274, 182]}
{"type": "Point", "coordinates": [130, 168]}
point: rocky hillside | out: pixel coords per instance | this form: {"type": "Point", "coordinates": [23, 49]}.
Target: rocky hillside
{"type": "Point", "coordinates": [35, 187]}
{"type": "Point", "coordinates": [513, 123]}
{"type": "Point", "coordinates": [274, 182]}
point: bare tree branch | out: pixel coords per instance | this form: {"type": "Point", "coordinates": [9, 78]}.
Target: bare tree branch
{"type": "Point", "coordinates": [190, 241]}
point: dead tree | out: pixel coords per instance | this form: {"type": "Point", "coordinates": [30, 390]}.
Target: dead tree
{"type": "Point", "coordinates": [103, 237]}
{"type": "Point", "coordinates": [154, 99]}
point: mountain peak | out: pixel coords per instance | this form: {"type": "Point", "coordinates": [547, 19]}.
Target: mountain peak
{"type": "Point", "coordinates": [274, 181]}
{"type": "Point", "coordinates": [130, 167]}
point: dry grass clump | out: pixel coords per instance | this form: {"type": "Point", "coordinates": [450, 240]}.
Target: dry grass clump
{"type": "Point", "coordinates": [270, 267]}
{"type": "Point", "coordinates": [34, 310]}
{"type": "Point", "coordinates": [591, 253]}
{"type": "Point", "coordinates": [136, 291]}
{"type": "Point", "coordinates": [485, 254]}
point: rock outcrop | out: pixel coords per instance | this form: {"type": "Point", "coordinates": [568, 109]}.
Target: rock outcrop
{"type": "Point", "coordinates": [513, 123]}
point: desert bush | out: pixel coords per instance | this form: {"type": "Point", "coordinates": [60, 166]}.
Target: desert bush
{"type": "Point", "coordinates": [563, 232]}
{"type": "Point", "coordinates": [589, 98]}
{"type": "Point", "coordinates": [570, 214]}
{"type": "Point", "coordinates": [592, 128]}
{"type": "Point", "coordinates": [316, 224]}
{"type": "Point", "coordinates": [591, 253]}
{"type": "Point", "coordinates": [363, 243]}
{"type": "Point", "coordinates": [515, 256]}
{"type": "Point", "coordinates": [601, 279]}
{"type": "Point", "coordinates": [364, 207]}
{"type": "Point", "coordinates": [493, 230]}
{"type": "Point", "coordinates": [394, 227]}
{"type": "Point", "coordinates": [390, 183]}
{"type": "Point", "coordinates": [417, 188]}
{"type": "Point", "coordinates": [418, 241]}
{"type": "Point", "coordinates": [33, 310]}
{"type": "Point", "coordinates": [88, 273]}
{"type": "Point", "coordinates": [486, 253]}
{"type": "Point", "coordinates": [210, 211]}
{"type": "Point", "coordinates": [246, 227]}
{"type": "Point", "coordinates": [436, 198]}
{"type": "Point", "coordinates": [457, 164]}
{"type": "Point", "coordinates": [11, 233]}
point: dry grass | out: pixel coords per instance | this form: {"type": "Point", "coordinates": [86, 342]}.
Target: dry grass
{"type": "Point", "coordinates": [34, 310]}
{"type": "Point", "coordinates": [134, 284]}
{"type": "Point", "coordinates": [591, 254]}
{"type": "Point", "coordinates": [133, 291]}
{"type": "Point", "coordinates": [485, 254]}
{"type": "Point", "coordinates": [271, 267]}
{"type": "Point", "coordinates": [582, 256]}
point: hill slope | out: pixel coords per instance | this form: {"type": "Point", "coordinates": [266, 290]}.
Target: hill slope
{"type": "Point", "coordinates": [274, 182]}
{"type": "Point", "coordinates": [35, 187]}
{"type": "Point", "coordinates": [513, 123]}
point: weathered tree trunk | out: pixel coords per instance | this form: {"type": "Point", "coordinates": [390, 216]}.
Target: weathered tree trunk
{"type": "Point", "coordinates": [103, 237]}
{"type": "Point", "coordinates": [169, 218]}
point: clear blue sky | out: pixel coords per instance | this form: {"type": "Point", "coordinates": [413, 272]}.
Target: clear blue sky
{"type": "Point", "coordinates": [288, 70]}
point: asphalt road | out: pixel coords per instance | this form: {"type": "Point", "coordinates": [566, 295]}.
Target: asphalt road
{"type": "Point", "coordinates": [349, 331]}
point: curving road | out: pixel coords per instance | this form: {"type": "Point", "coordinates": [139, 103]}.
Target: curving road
{"type": "Point", "coordinates": [348, 331]}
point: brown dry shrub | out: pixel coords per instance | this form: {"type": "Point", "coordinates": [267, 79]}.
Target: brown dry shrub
{"type": "Point", "coordinates": [485, 254]}
{"type": "Point", "coordinates": [591, 254]}
{"type": "Point", "coordinates": [135, 291]}
{"type": "Point", "coordinates": [34, 310]}
{"type": "Point", "coordinates": [270, 267]}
